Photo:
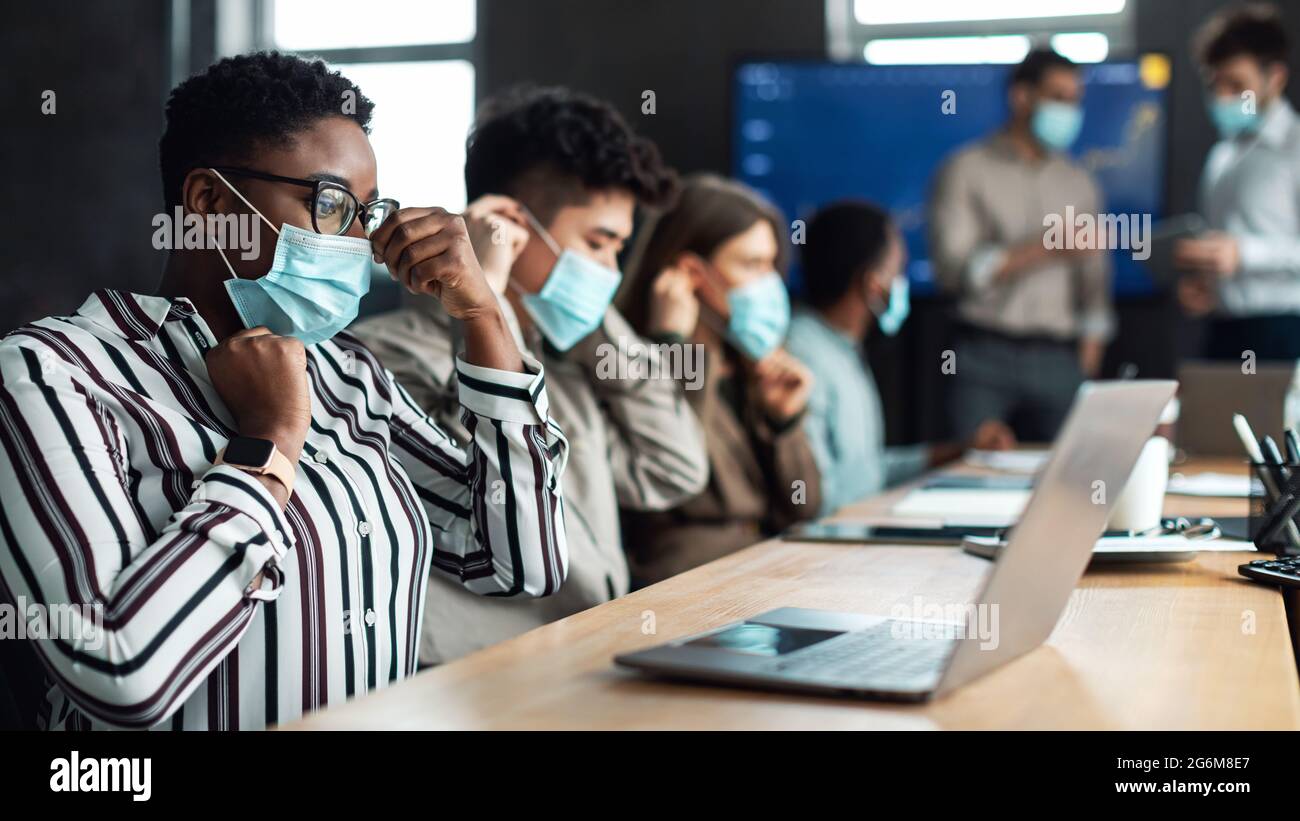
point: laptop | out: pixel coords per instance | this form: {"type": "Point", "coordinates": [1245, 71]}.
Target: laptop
{"type": "Point", "coordinates": [1211, 392]}
{"type": "Point", "coordinates": [920, 656]}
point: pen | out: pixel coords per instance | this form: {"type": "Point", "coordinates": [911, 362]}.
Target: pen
{"type": "Point", "coordinates": [1273, 457]}
{"type": "Point", "coordinates": [1287, 507]}
{"type": "Point", "coordinates": [1292, 447]}
{"type": "Point", "coordinates": [1247, 437]}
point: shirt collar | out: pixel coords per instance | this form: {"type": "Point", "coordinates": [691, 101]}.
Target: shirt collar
{"type": "Point", "coordinates": [134, 316]}
{"type": "Point", "coordinates": [1001, 144]}
{"type": "Point", "coordinates": [1277, 123]}
{"type": "Point", "coordinates": [830, 332]}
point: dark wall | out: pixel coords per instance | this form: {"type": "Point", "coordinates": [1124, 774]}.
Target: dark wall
{"type": "Point", "coordinates": [81, 185]}
{"type": "Point", "coordinates": [682, 50]}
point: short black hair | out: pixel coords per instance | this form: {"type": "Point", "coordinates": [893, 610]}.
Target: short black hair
{"type": "Point", "coordinates": [1036, 64]}
{"type": "Point", "coordinates": [1254, 29]}
{"type": "Point", "coordinates": [843, 241]}
{"type": "Point", "coordinates": [220, 116]}
{"type": "Point", "coordinates": [559, 146]}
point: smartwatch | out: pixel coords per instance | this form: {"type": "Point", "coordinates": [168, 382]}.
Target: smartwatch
{"type": "Point", "coordinates": [258, 456]}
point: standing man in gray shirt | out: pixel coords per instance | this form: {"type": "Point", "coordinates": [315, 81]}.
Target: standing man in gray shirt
{"type": "Point", "coordinates": [1033, 320]}
{"type": "Point", "coordinates": [1245, 269]}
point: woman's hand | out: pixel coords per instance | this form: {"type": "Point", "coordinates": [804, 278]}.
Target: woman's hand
{"type": "Point", "coordinates": [428, 250]}
{"type": "Point", "coordinates": [783, 385]}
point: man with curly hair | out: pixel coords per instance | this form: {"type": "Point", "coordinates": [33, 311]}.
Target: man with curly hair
{"type": "Point", "coordinates": [231, 503]}
{"type": "Point", "coordinates": [554, 178]}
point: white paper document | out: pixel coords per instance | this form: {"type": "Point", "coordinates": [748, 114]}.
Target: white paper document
{"type": "Point", "coordinates": [1172, 543]}
{"type": "Point", "coordinates": [1009, 461]}
{"type": "Point", "coordinates": [1234, 485]}
{"type": "Point", "coordinates": [967, 507]}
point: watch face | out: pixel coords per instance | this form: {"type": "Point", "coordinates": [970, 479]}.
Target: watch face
{"type": "Point", "coordinates": [243, 451]}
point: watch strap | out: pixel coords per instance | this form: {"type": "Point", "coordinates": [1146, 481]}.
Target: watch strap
{"type": "Point", "coordinates": [279, 467]}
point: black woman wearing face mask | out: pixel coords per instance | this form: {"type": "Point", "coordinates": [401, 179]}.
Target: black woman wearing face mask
{"type": "Point", "coordinates": [708, 273]}
{"type": "Point", "coordinates": [241, 492]}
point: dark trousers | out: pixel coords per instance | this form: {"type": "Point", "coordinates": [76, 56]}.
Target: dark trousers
{"type": "Point", "coordinates": [1029, 383]}
{"type": "Point", "coordinates": [1269, 337]}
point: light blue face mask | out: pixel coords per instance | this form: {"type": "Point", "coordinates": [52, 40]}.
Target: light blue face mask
{"type": "Point", "coordinates": [573, 301]}
{"type": "Point", "coordinates": [314, 287]}
{"type": "Point", "coordinates": [891, 318]}
{"type": "Point", "coordinates": [760, 314]}
{"type": "Point", "coordinates": [1056, 125]}
{"type": "Point", "coordinates": [1231, 117]}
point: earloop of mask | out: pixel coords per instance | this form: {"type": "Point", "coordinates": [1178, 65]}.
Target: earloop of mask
{"type": "Point", "coordinates": [213, 240]}
{"type": "Point", "coordinates": [245, 200]}
{"type": "Point", "coordinates": [542, 232]}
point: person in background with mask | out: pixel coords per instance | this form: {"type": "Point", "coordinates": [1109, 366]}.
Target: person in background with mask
{"type": "Point", "coordinates": [1033, 321]}
{"type": "Point", "coordinates": [853, 279]}
{"type": "Point", "coordinates": [554, 179]}
{"type": "Point", "coordinates": [243, 494]}
{"type": "Point", "coordinates": [1246, 269]}
{"type": "Point", "coordinates": [708, 275]}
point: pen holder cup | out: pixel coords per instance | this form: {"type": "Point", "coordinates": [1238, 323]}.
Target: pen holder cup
{"type": "Point", "coordinates": [1274, 524]}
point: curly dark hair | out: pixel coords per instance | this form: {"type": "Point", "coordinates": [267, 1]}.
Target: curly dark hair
{"type": "Point", "coordinates": [1254, 29]}
{"type": "Point", "coordinates": [554, 146]}
{"type": "Point", "coordinates": [221, 115]}
{"type": "Point", "coordinates": [1036, 64]}
{"type": "Point", "coordinates": [843, 240]}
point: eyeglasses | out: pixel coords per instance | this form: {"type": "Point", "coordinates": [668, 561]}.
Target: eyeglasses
{"type": "Point", "coordinates": [333, 207]}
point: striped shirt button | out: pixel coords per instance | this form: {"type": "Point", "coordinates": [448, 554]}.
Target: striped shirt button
{"type": "Point", "coordinates": [321, 457]}
{"type": "Point", "coordinates": [364, 528]}
{"type": "Point", "coordinates": [371, 618]}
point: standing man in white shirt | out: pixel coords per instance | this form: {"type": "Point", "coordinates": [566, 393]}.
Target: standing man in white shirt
{"type": "Point", "coordinates": [1245, 270]}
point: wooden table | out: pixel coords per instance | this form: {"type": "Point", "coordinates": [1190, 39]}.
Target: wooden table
{"type": "Point", "coordinates": [1178, 646]}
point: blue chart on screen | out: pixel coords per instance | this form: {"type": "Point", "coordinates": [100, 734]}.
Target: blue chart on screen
{"type": "Point", "coordinates": [808, 133]}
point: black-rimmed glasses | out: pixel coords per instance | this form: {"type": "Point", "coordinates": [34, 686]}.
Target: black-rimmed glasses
{"type": "Point", "coordinates": [333, 206]}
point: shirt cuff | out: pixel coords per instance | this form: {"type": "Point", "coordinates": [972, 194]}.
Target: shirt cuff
{"type": "Point", "coordinates": [240, 491]}
{"type": "Point", "coordinates": [507, 396]}
{"type": "Point", "coordinates": [1098, 323]}
{"type": "Point", "coordinates": [983, 264]}
{"type": "Point", "coordinates": [905, 462]}
{"type": "Point", "coordinates": [1254, 254]}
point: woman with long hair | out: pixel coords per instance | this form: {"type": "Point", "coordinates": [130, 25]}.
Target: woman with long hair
{"type": "Point", "coordinates": [709, 274]}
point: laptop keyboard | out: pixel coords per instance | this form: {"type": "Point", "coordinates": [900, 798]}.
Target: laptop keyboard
{"type": "Point", "coordinates": [871, 655]}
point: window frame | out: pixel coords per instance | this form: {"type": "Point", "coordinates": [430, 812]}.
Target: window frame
{"type": "Point", "coordinates": [846, 37]}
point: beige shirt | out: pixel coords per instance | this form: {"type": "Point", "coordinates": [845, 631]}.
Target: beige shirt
{"type": "Point", "coordinates": [633, 442]}
{"type": "Point", "coordinates": [986, 199]}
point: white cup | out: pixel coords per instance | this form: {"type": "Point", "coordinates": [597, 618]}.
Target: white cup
{"type": "Point", "coordinates": [1139, 507]}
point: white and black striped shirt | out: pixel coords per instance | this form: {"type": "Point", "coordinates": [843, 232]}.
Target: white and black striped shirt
{"type": "Point", "coordinates": [109, 428]}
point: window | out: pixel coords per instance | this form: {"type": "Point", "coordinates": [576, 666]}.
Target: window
{"type": "Point", "coordinates": [988, 31]}
{"type": "Point", "coordinates": [420, 75]}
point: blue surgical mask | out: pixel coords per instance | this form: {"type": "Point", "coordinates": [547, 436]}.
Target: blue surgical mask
{"type": "Point", "coordinates": [891, 317]}
{"type": "Point", "coordinates": [760, 314]}
{"type": "Point", "coordinates": [1056, 125]}
{"type": "Point", "coordinates": [575, 297]}
{"type": "Point", "coordinates": [314, 287]}
{"type": "Point", "coordinates": [1231, 117]}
